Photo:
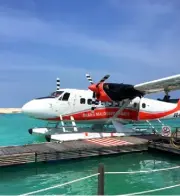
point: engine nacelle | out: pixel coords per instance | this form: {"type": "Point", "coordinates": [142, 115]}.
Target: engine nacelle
{"type": "Point", "coordinates": [100, 93]}
{"type": "Point", "coordinates": [119, 92]}
{"type": "Point", "coordinates": [115, 92]}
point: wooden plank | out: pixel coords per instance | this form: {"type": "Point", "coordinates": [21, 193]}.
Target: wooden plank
{"type": "Point", "coordinates": [17, 159]}
{"type": "Point", "coordinates": [164, 147]}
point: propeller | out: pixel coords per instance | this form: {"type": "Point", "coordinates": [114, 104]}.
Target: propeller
{"type": "Point", "coordinates": [57, 84]}
{"type": "Point", "coordinates": [89, 79]}
{"type": "Point", "coordinates": [103, 79]}
{"type": "Point", "coordinates": [95, 88]}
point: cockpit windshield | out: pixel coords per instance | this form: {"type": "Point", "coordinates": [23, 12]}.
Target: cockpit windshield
{"type": "Point", "coordinates": [52, 95]}
{"type": "Point", "coordinates": [56, 93]}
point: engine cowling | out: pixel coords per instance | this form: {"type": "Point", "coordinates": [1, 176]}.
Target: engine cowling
{"type": "Point", "coordinates": [119, 92]}
{"type": "Point", "coordinates": [99, 92]}
{"type": "Point", "coordinates": [114, 92]}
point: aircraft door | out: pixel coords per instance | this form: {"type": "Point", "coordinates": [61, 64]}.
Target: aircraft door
{"type": "Point", "coordinates": [136, 104]}
{"type": "Point", "coordinates": [74, 99]}
{"type": "Point", "coordinates": [135, 107]}
{"type": "Point", "coordinates": [64, 104]}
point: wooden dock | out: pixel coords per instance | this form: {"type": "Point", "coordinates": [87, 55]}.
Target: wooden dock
{"type": "Point", "coordinates": [163, 147]}
{"type": "Point", "coordinates": [161, 143]}
{"type": "Point", "coordinates": [164, 144]}
{"type": "Point", "coordinates": [51, 151]}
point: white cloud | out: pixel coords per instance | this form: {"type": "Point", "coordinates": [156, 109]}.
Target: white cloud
{"type": "Point", "coordinates": [143, 48]}
{"type": "Point", "coordinates": [162, 53]}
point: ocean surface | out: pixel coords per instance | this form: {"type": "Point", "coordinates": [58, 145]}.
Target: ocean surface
{"type": "Point", "coordinates": [24, 179]}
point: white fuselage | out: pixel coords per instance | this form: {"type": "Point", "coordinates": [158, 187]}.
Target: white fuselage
{"type": "Point", "coordinates": [77, 103]}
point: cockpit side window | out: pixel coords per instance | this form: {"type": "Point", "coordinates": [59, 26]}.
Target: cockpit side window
{"type": "Point", "coordinates": [66, 97]}
{"type": "Point", "coordinates": [56, 93]}
{"type": "Point", "coordinates": [52, 95]}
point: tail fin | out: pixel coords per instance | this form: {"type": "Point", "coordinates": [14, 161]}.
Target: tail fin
{"type": "Point", "coordinates": [178, 104]}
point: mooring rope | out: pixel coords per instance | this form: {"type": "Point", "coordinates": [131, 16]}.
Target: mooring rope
{"type": "Point", "coordinates": [146, 171]}
{"type": "Point", "coordinates": [153, 190]}
{"type": "Point", "coordinates": [130, 172]}
{"type": "Point", "coordinates": [59, 185]}
{"type": "Point", "coordinates": [172, 140]}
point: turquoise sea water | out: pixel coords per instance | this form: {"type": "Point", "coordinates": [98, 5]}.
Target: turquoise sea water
{"type": "Point", "coordinates": [14, 129]}
{"type": "Point", "coordinates": [24, 179]}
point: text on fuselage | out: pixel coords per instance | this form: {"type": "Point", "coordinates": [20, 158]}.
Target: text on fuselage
{"type": "Point", "coordinates": [176, 115]}
{"type": "Point", "coordinates": [91, 114]}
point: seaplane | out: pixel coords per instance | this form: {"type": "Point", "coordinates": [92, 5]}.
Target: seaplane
{"type": "Point", "coordinates": [105, 103]}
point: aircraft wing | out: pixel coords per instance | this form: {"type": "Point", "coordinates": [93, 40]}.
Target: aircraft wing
{"type": "Point", "coordinates": [164, 84]}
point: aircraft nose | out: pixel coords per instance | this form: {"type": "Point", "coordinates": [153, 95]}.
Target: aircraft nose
{"type": "Point", "coordinates": [37, 109]}
{"type": "Point", "coordinates": [29, 107]}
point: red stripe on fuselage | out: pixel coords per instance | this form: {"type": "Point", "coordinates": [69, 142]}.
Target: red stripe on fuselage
{"type": "Point", "coordinates": [101, 113]}
{"type": "Point", "coordinates": [126, 114]}
{"type": "Point", "coordinates": [150, 116]}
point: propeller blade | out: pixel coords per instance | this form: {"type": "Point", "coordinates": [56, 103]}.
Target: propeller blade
{"type": "Point", "coordinates": [89, 79]}
{"type": "Point", "coordinates": [57, 84]}
{"type": "Point", "coordinates": [103, 79]}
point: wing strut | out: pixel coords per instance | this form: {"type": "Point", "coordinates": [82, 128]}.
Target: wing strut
{"type": "Point", "coordinates": [126, 103]}
{"type": "Point", "coordinates": [117, 125]}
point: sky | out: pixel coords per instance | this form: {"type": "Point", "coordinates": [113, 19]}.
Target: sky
{"type": "Point", "coordinates": [134, 41]}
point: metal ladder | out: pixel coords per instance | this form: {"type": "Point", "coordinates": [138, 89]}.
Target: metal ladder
{"type": "Point", "coordinates": [153, 128]}
{"type": "Point", "coordinates": [75, 129]}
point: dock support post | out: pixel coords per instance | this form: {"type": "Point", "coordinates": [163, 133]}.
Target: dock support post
{"type": "Point", "coordinates": [101, 179]}
{"type": "Point", "coordinates": [36, 161]}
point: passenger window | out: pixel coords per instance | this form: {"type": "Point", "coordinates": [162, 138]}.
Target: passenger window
{"type": "Point", "coordinates": [66, 97]}
{"type": "Point", "coordinates": [110, 104]}
{"type": "Point", "coordinates": [82, 101]}
{"type": "Point", "coordinates": [135, 105]}
{"type": "Point", "coordinates": [107, 103]}
{"type": "Point", "coordinates": [115, 104]}
{"type": "Point", "coordinates": [143, 105]}
{"type": "Point", "coordinates": [120, 103]}
{"type": "Point", "coordinates": [89, 101]}
{"type": "Point", "coordinates": [96, 102]}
